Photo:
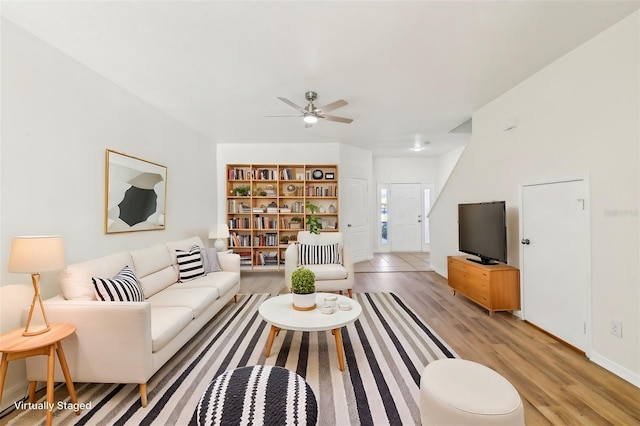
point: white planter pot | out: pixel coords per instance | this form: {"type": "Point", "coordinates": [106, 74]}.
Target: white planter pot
{"type": "Point", "coordinates": [304, 302]}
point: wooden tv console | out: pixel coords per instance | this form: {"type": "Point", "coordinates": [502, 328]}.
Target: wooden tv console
{"type": "Point", "coordinates": [494, 287]}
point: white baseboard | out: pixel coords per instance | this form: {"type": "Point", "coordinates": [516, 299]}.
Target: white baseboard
{"type": "Point", "coordinates": [615, 368]}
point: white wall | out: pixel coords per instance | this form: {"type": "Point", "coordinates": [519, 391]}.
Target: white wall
{"type": "Point", "coordinates": [58, 118]}
{"type": "Point", "coordinates": [578, 116]}
{"type": "Point", "coordinates": [445, 165]}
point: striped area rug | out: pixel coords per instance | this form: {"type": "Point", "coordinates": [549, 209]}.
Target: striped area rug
{"type": "Point", "coordinates": [386, 350]}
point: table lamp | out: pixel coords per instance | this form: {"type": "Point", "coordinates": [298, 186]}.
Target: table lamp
{"type": "Point", "coordinates": [219, 233]}
{"type": "Point", "coordinates": [33, 255]}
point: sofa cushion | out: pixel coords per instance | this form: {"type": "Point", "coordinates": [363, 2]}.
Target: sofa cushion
{"type": "Point", "coordinates": [166, 323]}
{"type": "Point", "coordinates": [75, 279]}
{"type": "Point", "coordinates": [223, 281]}
{"type": "Point", "coordinates": [328, 272]}
{"type": "Point", "coordinates": [198, 299]}
{"type": "Point", "coordinates": [150, 260]}
{"type": "Point", "coordinates": [123, 287]}
{"type": "Point", "coordinates": [185, 244]}
{"type": "Point", "coordinates": [158, 281]}
{"type": "Point", "coordinates": [190, 265]}
{"type": "Point", "coordinates": [210, 259]}
{"type": "Point", "coordinates": [318, 254]}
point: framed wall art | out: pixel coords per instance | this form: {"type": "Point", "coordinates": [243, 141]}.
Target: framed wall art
{"type": "Point", "coordinates": [135, 194]}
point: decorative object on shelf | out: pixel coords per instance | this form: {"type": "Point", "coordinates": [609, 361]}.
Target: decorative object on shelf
{"type": "Point", "coordinates": [303, 287]}
{"type": "Point", "coordinates": [329, 175]}
{"type": "Point", "coordinates": [32, 255]}
{"type": "Point", "coordinates": [284, 239]}
{"type": "Point", "coordinates": [296, 222]}
{"type": "Point", "coordinates": [135, 194]}
{"type": "Point", "coordinates": [313, 222]}
{"type": "Point", "coordinates": [317, 174]}
{"type": "Point", "coordinates": [242, 190]}
{"type": "Point", "coordinates": [290, 189]}
{"type": "Point", "coordinates": [219, 233]}
{"type": "Point", "coordinates": [321, 209]}
{"type": "Point", "coordinates": [332, 208]}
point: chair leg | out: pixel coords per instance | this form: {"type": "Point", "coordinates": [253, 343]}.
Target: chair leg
{"type": "Point", "coordinates": [350, 293]}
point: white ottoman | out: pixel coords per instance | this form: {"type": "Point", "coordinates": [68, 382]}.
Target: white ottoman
{"type": "Point", "coordinates": [460, 392]}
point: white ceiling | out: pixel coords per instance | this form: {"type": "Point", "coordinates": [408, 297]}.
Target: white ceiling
{"type": "Point", "coordinates": [409, 70]}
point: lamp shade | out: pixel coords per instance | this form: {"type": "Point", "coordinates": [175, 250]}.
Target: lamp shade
{"type": "Point", "coordinates": [36, 254]}
{"type": "Point", "coordinates": [220, 231]}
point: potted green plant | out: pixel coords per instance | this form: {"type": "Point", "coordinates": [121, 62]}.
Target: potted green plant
{"type": "Point", "coordinates": [241, 190]}
{"type": "Point", "coordinates": [313, 222]}
{"type": "Point", "coordinates": [303, 287]}
{"type": "Point", "coordinates": [295, 222]}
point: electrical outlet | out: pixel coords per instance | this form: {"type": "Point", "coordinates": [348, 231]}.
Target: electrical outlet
{"type": "Point", "coordinates": [616, 328]}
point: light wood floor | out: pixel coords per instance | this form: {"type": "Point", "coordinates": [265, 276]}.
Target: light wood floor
{"type": "Point", "coordinates": [558, 385]}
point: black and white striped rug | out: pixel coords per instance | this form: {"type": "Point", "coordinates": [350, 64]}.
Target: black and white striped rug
{"type": "Point", "coordinates": [386, 350]}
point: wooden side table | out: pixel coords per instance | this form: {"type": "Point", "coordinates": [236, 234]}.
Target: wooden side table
{"type": "Point", "coordinates": [14, 345]}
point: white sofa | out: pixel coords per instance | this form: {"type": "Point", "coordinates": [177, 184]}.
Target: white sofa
{"type": "Point", "coordinates": [127, 342]}
{"type": "Point", "coordinates": [336, 276]}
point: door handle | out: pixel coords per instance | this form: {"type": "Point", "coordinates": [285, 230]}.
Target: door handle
{"type": "Point", "coordinates": [525, 241]}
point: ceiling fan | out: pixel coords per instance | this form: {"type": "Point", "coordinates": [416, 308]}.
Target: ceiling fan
{"type": "Point", "coordinates": [310, 114]}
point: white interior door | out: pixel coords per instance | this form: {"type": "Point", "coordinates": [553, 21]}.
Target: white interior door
{"type": "Point", "coordinates": [405, 217]}
{"type": "Point", "coordinates": [555, 259]}
{"type": "Point", "coordinates": [356, 231]}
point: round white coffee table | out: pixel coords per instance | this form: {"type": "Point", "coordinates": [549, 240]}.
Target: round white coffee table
{"type": "Point", "coordinates": [279, 312]}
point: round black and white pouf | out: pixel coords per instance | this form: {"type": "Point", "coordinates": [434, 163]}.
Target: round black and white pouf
{"type": "Point", "coordinates": [258, 395]}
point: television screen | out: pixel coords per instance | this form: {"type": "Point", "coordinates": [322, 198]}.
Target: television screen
{"type": "Point", "coordinates": [482, 231]}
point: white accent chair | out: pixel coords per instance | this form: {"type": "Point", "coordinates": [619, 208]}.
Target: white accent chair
{"type": "Point", "coordinates": [329, 277]}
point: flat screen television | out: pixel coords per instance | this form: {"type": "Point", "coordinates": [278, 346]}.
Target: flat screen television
{"type": "Point", "coordinates": [482, 231]}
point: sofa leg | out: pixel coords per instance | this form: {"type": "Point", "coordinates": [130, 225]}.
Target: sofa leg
{"type": "Point", "coordinates": [350, 293]}
{"type": "Point", "coordinates": [235, 298]}
{"type": "Point", "coordinates": [143, 394]}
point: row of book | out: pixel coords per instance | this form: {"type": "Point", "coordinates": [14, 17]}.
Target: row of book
{"type": "Point", "coordinates": [321, 191]}
{"type": "Point", "coordinates": [239, 240]}
{"type": "Point", "coordinates": [239, 223]}
{"type": "Point", "coordinates": [269, 239]}
{"type": "Point", "coordinates": [252, 174]}
{"type": "Point", "coordinates": [262, 222]}
{"type": "Point", "coordinates": [266, 258]}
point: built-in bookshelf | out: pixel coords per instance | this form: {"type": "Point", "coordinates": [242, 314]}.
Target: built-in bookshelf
{"type": "Point", "coordinates": [267, 206]}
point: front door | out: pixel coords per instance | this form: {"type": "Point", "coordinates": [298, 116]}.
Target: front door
{"type": "Point", "coordinates": [405, 217]}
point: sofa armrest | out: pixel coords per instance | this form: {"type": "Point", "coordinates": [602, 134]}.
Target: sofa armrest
{"type": "Point", "coordinates": [112, 342]}
{"type": "Point", "coordinates": [347, 262]}
{"type": "Point", "coordinates": [229, 262]}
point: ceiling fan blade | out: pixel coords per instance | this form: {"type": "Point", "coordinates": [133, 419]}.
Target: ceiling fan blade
{"type": "Point", "coordinates": [331, 106]}
{"type": "Point", "coordinates": [288, 102]}
{"type": "Point", "coordinates": [283, 116]}
{"type": "Point", "coordinates": [338, 119]}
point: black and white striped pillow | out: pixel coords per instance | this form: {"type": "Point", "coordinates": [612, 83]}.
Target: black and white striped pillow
{"type": "Point", "coordinates": [123, 287]}
{"type": "Point", "coordinates": [318, 254]}
{"type": "Point", "coordinates": [190, 265]}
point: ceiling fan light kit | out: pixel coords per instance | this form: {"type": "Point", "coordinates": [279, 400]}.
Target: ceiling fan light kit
{"type": "Point", "coordinates": [310, 114]}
